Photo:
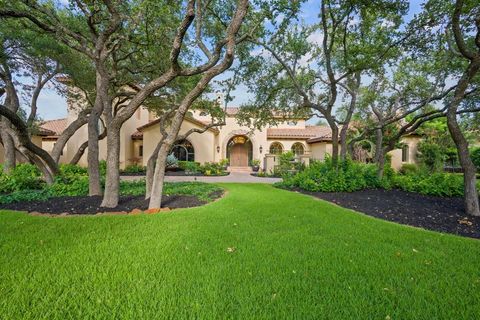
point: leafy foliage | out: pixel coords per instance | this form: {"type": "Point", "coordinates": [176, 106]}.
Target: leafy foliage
{"type": "Point", "coordinates": [24, 176]}
{"type": "Point", "coordinates": [431, 156]}
{"type": "Point", "coordinates": [349, 176]}
{"type": "Point", "coordinates": [475, 155]}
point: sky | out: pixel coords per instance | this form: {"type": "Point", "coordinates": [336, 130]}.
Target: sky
{"type": "Point", "coordinates": [53, 106]}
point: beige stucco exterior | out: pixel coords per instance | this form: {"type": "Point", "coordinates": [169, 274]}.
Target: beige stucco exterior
{"type": "Point", "coordinates": [141, 133]}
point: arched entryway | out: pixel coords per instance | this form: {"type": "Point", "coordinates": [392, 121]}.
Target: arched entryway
{"type": "Point", "coordinates": [239, 151]}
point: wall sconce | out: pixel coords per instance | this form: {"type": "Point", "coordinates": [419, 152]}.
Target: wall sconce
{"type": "Point", "coordinates": [261, 149]}
{"type": "Point", "coordinates": [218, 149]}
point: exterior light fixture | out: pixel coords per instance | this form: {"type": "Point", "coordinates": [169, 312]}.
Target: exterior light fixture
{"type": "Point", "coordinates": [218, 149]}
{"type": "Point", "coordinates": [261, 149]}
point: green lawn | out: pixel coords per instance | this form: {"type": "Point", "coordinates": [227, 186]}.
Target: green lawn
{"type": "Point", "coordinates": [294, 257]}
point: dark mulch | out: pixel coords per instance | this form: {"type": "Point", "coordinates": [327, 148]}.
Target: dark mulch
{"type": "Point", "coordinates": [428, 212]}
{"type": "Point", "coordinates": [91, 205]}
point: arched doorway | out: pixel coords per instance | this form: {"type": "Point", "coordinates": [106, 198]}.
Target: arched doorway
{"type": "Point", "coordinates": [239, 151]}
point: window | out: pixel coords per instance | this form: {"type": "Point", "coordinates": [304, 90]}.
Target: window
{"type": "Point", "coordinates": [183, 150]}
{"type": "Point", "coordinates": [203, 114]}
{"type": "Point", "coordinates": [291, 123]}
{"type": "Point", "coordinates": [276, 148]}
{"type": "Point", "coordinates": [298, 149]}
{"type": "Point", "coordinates": [140, 151]}
{"type": "Point", "coordinates": [405, 153]}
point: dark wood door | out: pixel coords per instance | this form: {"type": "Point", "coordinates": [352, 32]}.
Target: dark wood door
{"type": "Point", "coordinates": [239, 156]}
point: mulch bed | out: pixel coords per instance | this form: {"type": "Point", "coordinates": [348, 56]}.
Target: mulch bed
{"type": "Point", "coordinates": [428, 212]}
{"type": "Point", "coordinates": [91, 205]}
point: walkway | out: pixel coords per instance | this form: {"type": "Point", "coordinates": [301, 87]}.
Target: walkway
{"type": "Point", "coordinates": [243, 177]}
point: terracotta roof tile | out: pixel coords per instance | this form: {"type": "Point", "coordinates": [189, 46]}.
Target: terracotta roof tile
{"type": "Point", "coordinates": [137, 135]}
{"type": "Point", "coordinates": [309, 132]}
{"type": "Point", "coordinates": [56, 126]}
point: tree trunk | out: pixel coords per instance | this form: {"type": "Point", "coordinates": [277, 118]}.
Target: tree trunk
{"type": "Point", "coordinates": [112, 183]}
{"type": "Point", "coordinates": [94, 186]}
{"type": "Point", "coordinates": [334, 145]}
{"type": "Point", "coordinates": [8, 147]}
{"type": "Point", "coordinates": [472, 206]}
{"type": "Point", "coordinates": [151, 170]}
{"type": "Point", "coordinates": [379, 157]}
{"type": "Point", "coordinates": [159, 177]}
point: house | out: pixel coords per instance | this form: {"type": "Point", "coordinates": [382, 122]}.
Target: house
{"type": "Point", "coordinates": [141, 133]}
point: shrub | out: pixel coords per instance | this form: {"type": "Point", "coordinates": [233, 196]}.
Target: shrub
{"type": "Point", "coordinates": [475, 155]}
{"type": "Point", "coordinates": [75, 187]}
{"type": "Point", "coordinates": [211, 168]}
{"type": "Point", "coordinates": [24, 176]}
{"type": "Point", "coordinates": [134, 168]}
{"type": "Point", "coordinates": [431, 156]}
{"type": "Point", "coordinates": [25, 195]}
{"type": "Point", "coordinates": [436, 184]}
{"type": "Point", "coordinates": [348, 176]}
{"type": "Point", "coordinates": [190, 167]}
{"type": "Point", "coordinates": [409, 168]}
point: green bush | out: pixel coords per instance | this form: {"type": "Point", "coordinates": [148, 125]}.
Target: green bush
{"type": "Point", "coordinates": [348, 176]}
{"type": "Point", "coordinates": [25, 195]}
{"type": "Point", "coordinates": [189, 167]}
{"type": "Point", "coordinates": [24, 176]}
{"type": "Point", "coordinates": [211, 168]}
{"type": "Point", "coordinates": [475, 155]}
{"type": "Point", "coordinates": [75, 187]}
{"type": "Point", "coordinates": [409, 168]}
{"type": "Point", "coordinates": [431, 156]}
{"type": "Point", "coordinates": [435, 184]}
{"type": "Point", "coordinates": [134, 168]}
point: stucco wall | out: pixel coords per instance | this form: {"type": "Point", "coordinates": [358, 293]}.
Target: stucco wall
{"type": "Point", "coordinates": [203, 144]}
{"type": "Point", "coordinates": [127, 156]}
{"type": "Point", "coordinates": [412, 142]}
{"type": "Point", "coordinates": [48, 145]}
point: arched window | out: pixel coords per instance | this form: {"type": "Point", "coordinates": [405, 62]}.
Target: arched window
{"type": "Point", "coordinates": [298, 149]}
{"type": "Point", "coordinates": [203, 114]}
{"type": "Point", "coordinates": [276, 148]}
{"type": "Point", "coordinates": [183, 150]}
{"type": "Point", "coordinates": [405, 153]}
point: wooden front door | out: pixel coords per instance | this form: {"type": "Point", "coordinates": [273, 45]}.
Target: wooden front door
{"type": "Point", "coordinates": [239, 155]}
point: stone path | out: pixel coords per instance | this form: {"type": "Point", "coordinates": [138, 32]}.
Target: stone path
{"type": "Point", "coordinates": [241, 177]}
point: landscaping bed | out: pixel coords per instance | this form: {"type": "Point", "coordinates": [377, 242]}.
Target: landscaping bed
{"type": "Point", "coordinates": [91, 205]}
{"type": "Point", "coordinates": [444, 214]}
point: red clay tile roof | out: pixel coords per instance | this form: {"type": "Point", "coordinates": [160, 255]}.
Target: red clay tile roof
{"type": "Point", "coordinates": [310, 132]}
{"type": "Point", "coordinates": [137, 135]}
{"type": "Point", "coordinates": [44, 132]}
{"type": "Point", "coordinates": [190, 119]}
{"type": "Point", "coordinates": [56, 127]}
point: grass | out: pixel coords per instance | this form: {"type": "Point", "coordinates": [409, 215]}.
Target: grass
{"type": "Point", "coordinates": [294, 257]}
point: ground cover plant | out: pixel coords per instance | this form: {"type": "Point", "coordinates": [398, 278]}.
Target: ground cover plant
{"type": "Point", "coordinates": [258, 253]}
{"type": "Point", "coordinates": [354, 176]}
{"type": "Point", "coordinates": [25, 184]}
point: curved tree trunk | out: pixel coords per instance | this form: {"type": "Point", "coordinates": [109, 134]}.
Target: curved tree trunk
{"type": "Point", "coordinates": [8, 147]}
{"type": "Point", "coordinates": [112, 182]}
{"type": "Point", "coordinates": [81, 150]}
{"type": "Point", "coordinates": [379, 157]}
{"type": "Point", "coordinates": [151, 170]}
{"type": "Point", "coordinates": [472, 205]}
{"type": "Point", "coordinates": [159, 177]}
{"type": "Point", "coordinates": [94, 185]}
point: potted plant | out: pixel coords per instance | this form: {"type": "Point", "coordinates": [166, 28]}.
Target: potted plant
{"type": "Point", "coordinates": [255, 163]}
